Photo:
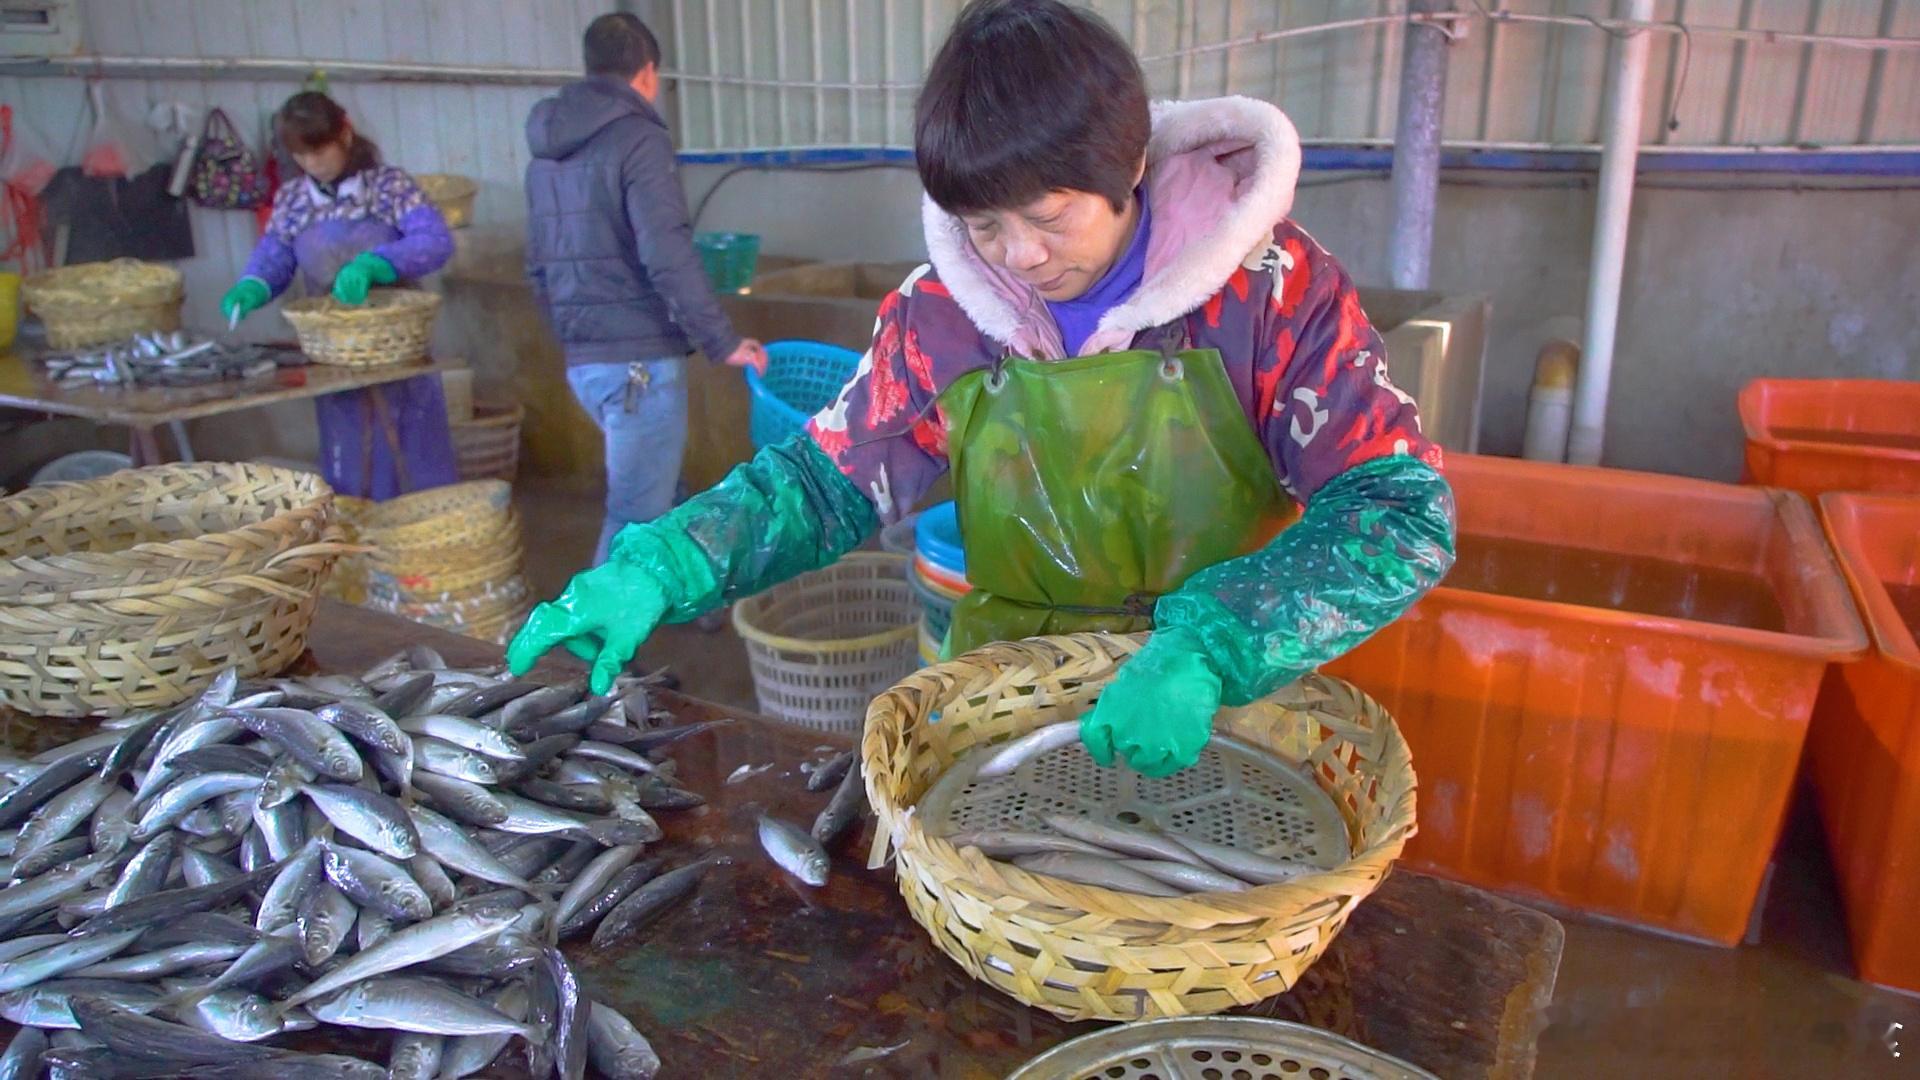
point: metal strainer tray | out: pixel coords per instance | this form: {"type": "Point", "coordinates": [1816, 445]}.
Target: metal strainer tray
{"type": "Point", "coordinates": [1237, 794]}
{"type": "Point", "coordinates": [1215, 1048]}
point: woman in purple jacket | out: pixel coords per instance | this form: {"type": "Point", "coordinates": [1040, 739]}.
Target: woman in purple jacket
{"type": "Point", "coordinates": [347, 224]}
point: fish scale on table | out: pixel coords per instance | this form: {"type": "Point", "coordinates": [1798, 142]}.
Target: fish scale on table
{"type": "Point", "coordinates": [389, 850]}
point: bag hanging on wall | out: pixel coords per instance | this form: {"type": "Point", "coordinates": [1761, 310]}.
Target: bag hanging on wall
{"type": "Point", "coordinates": [227, 175]}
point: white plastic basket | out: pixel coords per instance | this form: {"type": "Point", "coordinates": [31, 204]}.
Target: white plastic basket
{"type": "Point", "coordinates": [825, 644]}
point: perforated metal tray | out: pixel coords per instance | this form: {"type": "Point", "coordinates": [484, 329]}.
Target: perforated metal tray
{"type": "Point", "coordinates": [1238, 794]}
{"type": "Point", "coordinates": [1215, 1048]}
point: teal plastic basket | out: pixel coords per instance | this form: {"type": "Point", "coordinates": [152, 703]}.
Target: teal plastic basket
{"type": "Point", "coordinates": [730, 259]}
{"type": "Point", "coordinates": [802, 378]}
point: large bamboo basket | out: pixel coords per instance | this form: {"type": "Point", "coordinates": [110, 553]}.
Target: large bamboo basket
{"type": "Point", "coordinates": [393, 327]}
{"type": "Point", "coordinates": [1084, 952]}
{"type": "Point", "coordinates": [134, 590]}
{"type": "Point", "coordinates": [453, 194]}
{"type": "Point", "coordinates": [100, 302]}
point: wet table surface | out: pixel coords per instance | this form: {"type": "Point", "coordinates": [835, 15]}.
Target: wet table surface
{"type": "Point", "coordinates": [760, 975]}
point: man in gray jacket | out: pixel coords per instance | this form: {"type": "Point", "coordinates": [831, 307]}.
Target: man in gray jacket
{"type": "Point", "coordinates": [611, 257]}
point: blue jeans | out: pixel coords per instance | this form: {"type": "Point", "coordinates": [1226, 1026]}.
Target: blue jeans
{"type": "Point", "coordinates": [642, 412]}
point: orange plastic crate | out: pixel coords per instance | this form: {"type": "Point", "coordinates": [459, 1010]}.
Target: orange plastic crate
{"type": "Point", "coordinates": [1819, 435]}
{"type": "Point", "coordinates": [1634, 764]}
{"type": "Point", "coordinates": [1864, 749]}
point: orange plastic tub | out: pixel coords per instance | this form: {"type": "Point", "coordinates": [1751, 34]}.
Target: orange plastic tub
{"type": "Point", "coordinates": [1864, 749]}
{"type": "Point", "coordinates": [1607, 698]}
{"type": "Point", "coordinates": [1819, 435]}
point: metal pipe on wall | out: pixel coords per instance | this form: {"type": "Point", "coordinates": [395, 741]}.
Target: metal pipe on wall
{"type": "Point", "coordinates": [1619, 157]}
{"type": "Point", "coordinates": [1416, 147]}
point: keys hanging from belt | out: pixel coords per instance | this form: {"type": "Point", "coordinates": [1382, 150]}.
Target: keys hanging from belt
{"type": "Point", "coordinates": [638, 379]}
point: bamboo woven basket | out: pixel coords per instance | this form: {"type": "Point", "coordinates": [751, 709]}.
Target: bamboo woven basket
{"type": "Point", "coordinates": [1084, 952]}
{"type": "Point", "coordinates": [134, 590]}
{"type": "Point", "coordinates": [488, 445]}
{"type": "Point", "coordinates": [453, 194]}
{"type": "Point", "coordinates": [465, 513]}
{"type": "Point", "coordinates": [391, 328]}
{"type": "Point", "coordinates": [96, 303]}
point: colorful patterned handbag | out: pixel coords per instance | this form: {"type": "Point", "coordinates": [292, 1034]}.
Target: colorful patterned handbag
{"type": "Point", "coordinates": [227, 175]}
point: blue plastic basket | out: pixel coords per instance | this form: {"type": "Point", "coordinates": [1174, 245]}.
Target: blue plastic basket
{"type": "Point", "coordinates": [802, 378]}
{"type": "Point", "coordinates": [937, 537]}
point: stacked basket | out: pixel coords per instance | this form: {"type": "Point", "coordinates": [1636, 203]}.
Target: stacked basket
{"type": "Point", "coordinates": [486, 445]}
{"type": "Point", "coordinates": [95, 303]}
{"type": "Point", "coordinates": [449, 556]}
{"type": "Point", "coordinates": [134, 590]}
{"type": "Point", "coordinates": [452, 194]}
{"type": "Point", "coordinates": [939, 575]}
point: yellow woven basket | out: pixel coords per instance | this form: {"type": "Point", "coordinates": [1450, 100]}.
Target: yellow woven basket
{"type": "Point", "coordinates": [97, 303]}
{"type": "Point", "coordinates": [452, 193]}
{"type": "Point", "coordinates": [393, 327]}
{"type": "Point", "coordinates": [488, 445]}
{"type": "Point", "coordinates": [134, 590]}
{"type": "Point", "coordinates": [1084, 952]}
{"type": "Point", "coordinates": [469, 512]}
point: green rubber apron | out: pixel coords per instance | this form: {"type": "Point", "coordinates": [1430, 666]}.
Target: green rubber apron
{"type": "Point", "coordinates": [1089, 487]}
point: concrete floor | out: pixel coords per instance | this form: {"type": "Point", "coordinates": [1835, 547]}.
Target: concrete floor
{"type": "Point", "coordinates": [1628, 1003]}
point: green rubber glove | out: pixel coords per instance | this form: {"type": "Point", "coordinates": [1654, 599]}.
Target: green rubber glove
{"type": "Point", "coordinates": [787, 511]}
{"type": "Point", "coordinates": [247, 296]}
{"type": "Point", "coordinates": [1158, 712]}
{"type": "Point", "coordinates": [366, 270]}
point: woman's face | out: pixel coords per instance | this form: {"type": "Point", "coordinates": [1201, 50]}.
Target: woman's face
{"type": "Point", "coordinates": [1061, 243]}
{"type": "Point", "coordinates": [325, 162]}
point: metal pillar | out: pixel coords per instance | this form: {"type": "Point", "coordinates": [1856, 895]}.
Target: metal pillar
{"type": "Point", "coordinates": [1416, 147]}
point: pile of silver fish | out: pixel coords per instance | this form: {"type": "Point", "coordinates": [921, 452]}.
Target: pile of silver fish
{"type": "Point", "coordinates": [398, 851]}
{"type": "Point", "coordinates": [804, 853]}
{"type": "Point", "coordinates": [165, 359]}
{"type": "Point", "coordinates": [1126, 858]}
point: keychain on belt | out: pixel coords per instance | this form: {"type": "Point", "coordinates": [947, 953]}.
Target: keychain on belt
{"type": "Point", "coordinates": [637, 380]}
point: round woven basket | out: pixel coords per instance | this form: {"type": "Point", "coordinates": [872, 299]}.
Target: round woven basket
{"type": "Point", "coordinates": [134, 590]}
{"type": "Point", "coordinates": [456, 514]}
{"type": "Point", "coordinates": [1084, 952]}
{"type": "Point", "coordinates": [391, 328]}
{"type": "Point", "coordinates": [449, 579]}
{"type": "Point", "coordinates": [97, 303]}
{"type": "Point", "coordinates": [452, 193]}
{"type": "Point", "coordinates": [488, 445]}
{"type": "Point", "coordinates": [823, 644]}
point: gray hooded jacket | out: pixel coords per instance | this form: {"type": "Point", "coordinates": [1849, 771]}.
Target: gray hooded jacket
{"type": "Point", "coordinates": [609, 247]}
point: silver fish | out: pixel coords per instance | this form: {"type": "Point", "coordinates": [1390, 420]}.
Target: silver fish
{"type": "Point", "coordinates": [538, 705]}
{"type": "Point", "coordinates": [286, 1066]}
{"type": "Point", "coordinates": [401, 1003]}
{"type": "Point", "coordinates": [528, 817]}
{"type": "Point", "coordinates": [464, 733]}
{"type": "Point", "coordinates": [58, 853]}
{"type": "Point", "coordinates": [178, 801]}
{"type": "Point", "coordinates": [424, 658]}
{"type": "Point", "coordinates": [372, 881]}
{"type": "Point", "coordinates": [1248, 866]}
{"type": "Point", "coordinates": [794, 851]}
{"type": "Point", "coordinates": [442, 757]}
{"type": "Point", "coordinates": [848, 802]}
{"type": "Point", "coordinates": [203, 822]}
{"type": "Point", "coordinates": [434, 880]}
{"type": "Point", "coordinates": [371, 928]}
{"type": "Point", "coordinates": [319, 746]}
{"type": "Point", "coordinates": [1010, 843]}
{"type": "Point", "coordinates": [134, 740]}
{"type": "Point", "coordinates": [527, 858]}
{"type": "Point", "coordinates": [50, 888]}
{"type": "Point", "coordinates": [50, 1004]}
{"type": "Point", "coordinates": [282, 829]}
{"type": "Point", "coordinates": [222, 757]}
{"type": "Point", "coordinates": [468, 1055]}
{"type": "Point", "coordinates": [614, 755]}
{"type": "Point", "coordinates": [408, 946]}
{"type": "Point", "coordinates": [415, 1056]}
{"type": "Point", "coordinates": [462, 800]}
{"type": "Point", "coordinates": [374, 819]}
{"type": "Point", "coordinates": [187, 735]}
{"type": "Point", "coordinates": [323, 923]}
{"type": "Point", "coordinates": [448, 843]}
{"type": "Point", "coordinates": [365, 722]}
{"type": "Point", "coordinates": [145, 967]}
{"type": "Point", "coordinates": [616, 1048]}
{"type": "Point", "coordinates": [1089, 870]}
{"type": "Point", "coordinates": [589, 883]}
{"type": "Point", "coordinates": [20, 946]}
{"type": "Point", "coordinates": [171, 904]}
{"type": "Point", "coordinates": [149, 1039]}
{"type": "Point", "coordinates": [486, 697]}
{"type": "Point", "coordinates": [240, 1016]}
{"type": "Point", "coordinates": [61, 815]}
{"type": "Point", "coordinates": [649, 902]}
{"type": "Point", "coordinates": [22, 1059]}
{"type": "Point", "coordinates": [339, 686]}
{"type": "Point", "coordinates": [56, 777]}
{"type": "Point", "coordinates": [568, 1032]}
{"type": "Point", "coordinates": [201, 868]}
{"type": "Point", "coordinates": [621, 886]}
{"type": "Point", "coordinates": [830, 772]}
{"type": "Point", "coordinates": [103, 740]}
{"type": "Point", "coordinates": [111, 828]}
{"type": "Point", "coordinates": [1029, 746]}
{"type": "Point", "coordinates": [403, 696]}
{"type": "Point", "coordinates": [58, 960]}
{"type": "Point", "coordinates": [283, 901]}
{"type": "Point", "coordinates": [1186, 877]}
{"type": "Point", "coordinates": [1124, 839]}
{"type": "Point", "coordinates": [284, 781]}
{"type": "Point", "coordinates": [269, 955]}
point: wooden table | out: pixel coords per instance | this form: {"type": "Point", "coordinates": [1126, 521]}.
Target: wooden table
{"type": "Point", "coordinates": [24, 384]}
{"type": "Point", "coordinates": [761, 976]}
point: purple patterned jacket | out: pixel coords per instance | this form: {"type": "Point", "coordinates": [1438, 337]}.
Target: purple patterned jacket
{"type": "Point", "coordinates": [315, 232]}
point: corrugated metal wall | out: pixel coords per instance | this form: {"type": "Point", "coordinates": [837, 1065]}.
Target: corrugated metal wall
{"type": "Point", "coordinates": [1510, 84]}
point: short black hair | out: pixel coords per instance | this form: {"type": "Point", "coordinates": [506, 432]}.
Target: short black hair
{"type": "Point", "coordinates": [1027, 97]}
{"type": "Point", "coordinates": [619, 44]}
